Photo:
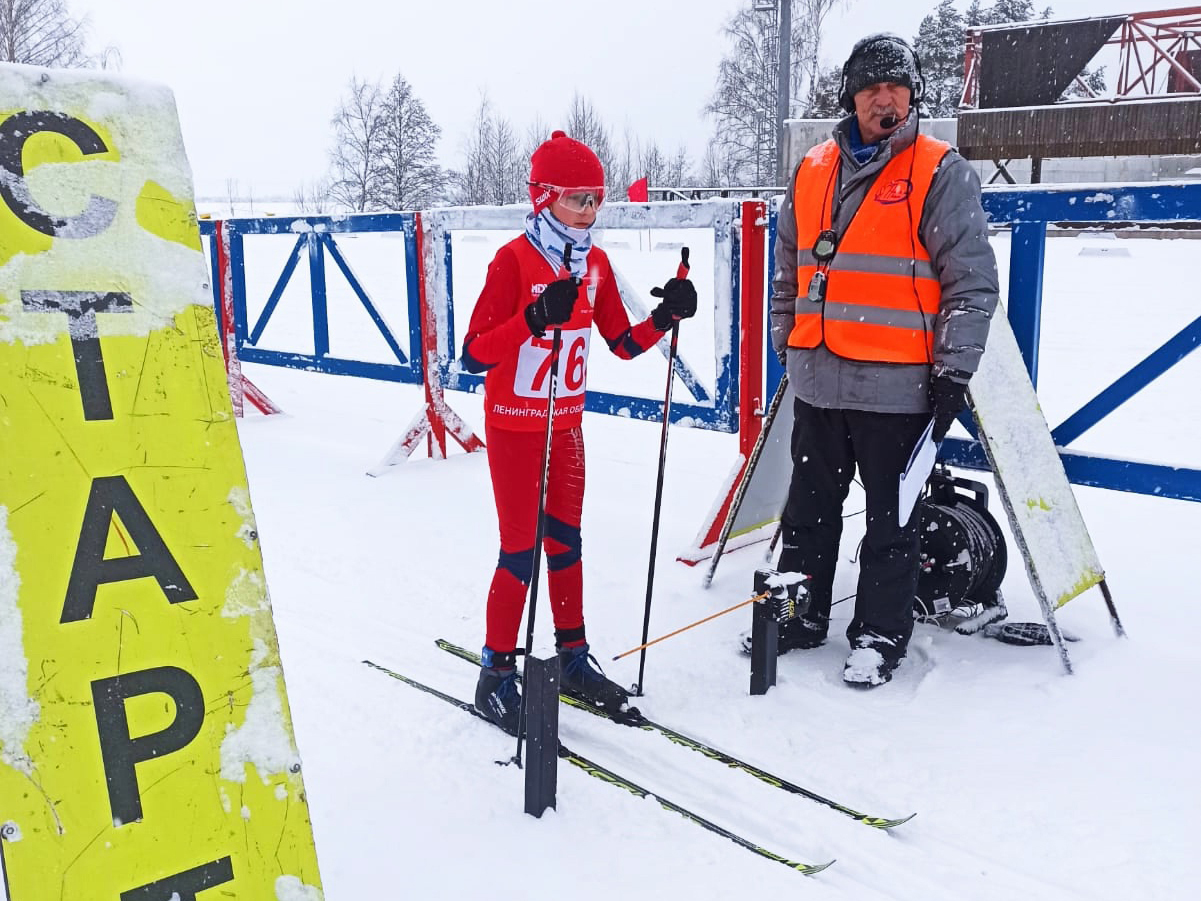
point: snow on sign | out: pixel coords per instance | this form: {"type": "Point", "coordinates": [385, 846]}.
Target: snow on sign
{"type": "Point", "coordinates": [1059, 554]}
{"type": "Point", "coordinates": [146, 747]}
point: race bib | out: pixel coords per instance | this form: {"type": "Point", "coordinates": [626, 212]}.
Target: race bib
{"type": "Point", "coordinates": [533, 365]}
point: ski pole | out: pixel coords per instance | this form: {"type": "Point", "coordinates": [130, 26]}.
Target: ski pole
{"type": "Point", "coordinates": [681, 272]}
{"type": "Point", "coordinates": [739, 605]}
{"type": "Point", "coordinates": [540, 528]}
{"type": "Point", "coordinates": [775, 538]}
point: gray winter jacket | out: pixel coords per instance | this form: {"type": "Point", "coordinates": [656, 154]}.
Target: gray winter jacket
{"type": "Point", "coordinates": [954, 232]}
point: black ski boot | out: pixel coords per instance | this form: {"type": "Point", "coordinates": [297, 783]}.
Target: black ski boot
{"type": "Point", "coordinates": [497, 696]}
{"type": "Point", "coordinates": [802, 633]}
{"type": "Point", "coordinates": [582, 678]}
{"type": "Point", "coordinates": [873, 659]}
{"type": "Point", "coordinates": [808, 628]}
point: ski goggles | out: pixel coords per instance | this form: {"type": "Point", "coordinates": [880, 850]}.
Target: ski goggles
{"type": "Point", "coordinates": [576, 199]}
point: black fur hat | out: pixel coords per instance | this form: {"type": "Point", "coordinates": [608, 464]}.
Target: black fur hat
{"type": "Point", "coordinates": [882, 57]}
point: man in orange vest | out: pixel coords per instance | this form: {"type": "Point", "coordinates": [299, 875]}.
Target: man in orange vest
{"type": "Point", "coordinates": [881, 299]}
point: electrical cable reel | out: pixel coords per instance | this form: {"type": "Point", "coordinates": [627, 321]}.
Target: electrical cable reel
{"type": "Point", "coordinates": [963, 555]}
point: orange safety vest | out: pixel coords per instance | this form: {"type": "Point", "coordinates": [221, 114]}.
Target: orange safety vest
{"type": "Point", "coordinates": [882, 294]}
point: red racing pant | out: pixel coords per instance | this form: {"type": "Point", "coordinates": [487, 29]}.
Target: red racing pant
{"type": "Point", "coordinates": [515, 462]}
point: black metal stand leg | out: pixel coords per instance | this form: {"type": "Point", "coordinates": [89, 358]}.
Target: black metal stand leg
{"type": "Point", "coordinates": [765, 638]}
{"type": "Point", "coordinates": [542, 734]}
{"type": "Point", "coordinates": [1113, 611]}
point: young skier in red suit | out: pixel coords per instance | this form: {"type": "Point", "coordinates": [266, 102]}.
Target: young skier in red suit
{"type": "Point", "coordinates": [526, 296]}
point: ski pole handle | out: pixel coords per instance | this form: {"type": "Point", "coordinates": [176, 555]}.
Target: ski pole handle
{"type": "Point", "coordinates": [758, 597]}
{"type": "Point", "coordinates": [681, 272]}
{"type": "Point", "coordinates": [566, 273]}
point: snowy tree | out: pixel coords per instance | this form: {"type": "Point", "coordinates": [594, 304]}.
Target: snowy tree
{"type": "Point", "coordinates": [469, 184]}
{"type": "Point", "coordinates": [1094, 84]}
{"type": "Point", "coordinates": [676, 171]}
{"type": "Point", "coordinates": [354, 161]}
{"type": "Point", "coordinates": [311, 198]}
{"type": "Point", "coordinates": [508, 168]}
{"type": "Point", "coordinates": [495, 169]}
{"type": "Point", "coordinates": [110, 59]}
{"type": "Point", "coordinates": [636, 160]}
{"type": "Point", "coordinates": [42, 33]}
{"type": "Point", "coordinates": [1004, 11]}
{"type": "Point", "coordinates": [652, 164]}
{"type": "Point", "coordinates": [813, 15]}
{"type": "Point", "coordinates": [584, 123]}
{"type": "Point", "coordinates": [823, 102]}
{"type": "Point", "coordinates": [939, 45]}
{"type": "Point", "coordinates": [625, 165]}
{"type": "Point", "coordinates": [407, 175]}
{"type": "Point", "coordinates": [716, 168]}
{"type": "Point", "coordinates": [536, 132]}
{"type": "Point", "coordinates": [744, 103]}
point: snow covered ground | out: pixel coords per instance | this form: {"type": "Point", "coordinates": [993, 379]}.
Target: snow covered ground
{"type": "Point", "coordinates": [1027, 783]}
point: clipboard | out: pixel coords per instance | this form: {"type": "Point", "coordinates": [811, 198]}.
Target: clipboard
{"type": "Point", "coordinates": [913, 479]}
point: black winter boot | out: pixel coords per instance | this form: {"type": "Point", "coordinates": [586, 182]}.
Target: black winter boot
{"type": "Point", "coordinates": [581, 677]}
{"type": "Point", "coordinates": [803, 633]}
{"type": "Point", "coordinates": [873, 659]}
{"type": "Point", "coordinates": [497, 696]}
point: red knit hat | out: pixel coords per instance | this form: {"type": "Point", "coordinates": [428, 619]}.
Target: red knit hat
{"type": "Point", "coordinates": [565, 163]}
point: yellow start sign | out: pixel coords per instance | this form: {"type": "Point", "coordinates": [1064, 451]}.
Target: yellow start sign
{"type": "Point", "coordinates": [146, 746]}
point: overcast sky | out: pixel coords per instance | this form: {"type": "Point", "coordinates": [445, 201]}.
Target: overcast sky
{"type": "Point", "coordinates": [257, 81]}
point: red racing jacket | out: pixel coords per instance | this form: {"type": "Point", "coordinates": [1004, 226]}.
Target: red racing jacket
{"type": "Point", "coordinates": [517, 364]}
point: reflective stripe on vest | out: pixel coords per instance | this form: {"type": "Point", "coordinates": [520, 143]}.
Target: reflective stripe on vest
{"type": "Point", "coordinates": [882, 294]}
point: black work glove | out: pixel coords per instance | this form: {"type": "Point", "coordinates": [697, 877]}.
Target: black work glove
{"type": "Point", "coordinates": [679, 302]}
{"type": "Point", "coordinates": [948, 398]}
{"type": "Point", "coordinates": [553, 306]}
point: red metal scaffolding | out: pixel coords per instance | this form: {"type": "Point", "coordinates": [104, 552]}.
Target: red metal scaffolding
{"type": "Point", "coordinates": [1159, 55]}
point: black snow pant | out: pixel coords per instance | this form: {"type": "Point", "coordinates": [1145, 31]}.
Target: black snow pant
{"type": "Point", "coordinates": [826, 447]}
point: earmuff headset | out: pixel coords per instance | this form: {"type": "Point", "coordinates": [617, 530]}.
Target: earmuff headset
{"type": "Point", "coordinates": [918, 90]}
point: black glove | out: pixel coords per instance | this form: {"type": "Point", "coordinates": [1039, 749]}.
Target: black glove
{"type": "Point", "coordinates": [948, 398]}
{"type": "Point", "coordinates": [553, 306]}
{"type": "Point", "coordinates": [679, 302]}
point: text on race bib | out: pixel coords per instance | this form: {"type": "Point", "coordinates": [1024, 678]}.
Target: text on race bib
{"type": "Point", "coordinates": [534, 364]}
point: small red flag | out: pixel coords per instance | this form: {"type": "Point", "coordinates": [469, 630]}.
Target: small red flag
{"type": "Point", "coordinates": [637, 192]}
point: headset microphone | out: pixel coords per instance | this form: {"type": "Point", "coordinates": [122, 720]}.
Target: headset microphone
{"type": "Point", "coordinates": [889, 122]}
